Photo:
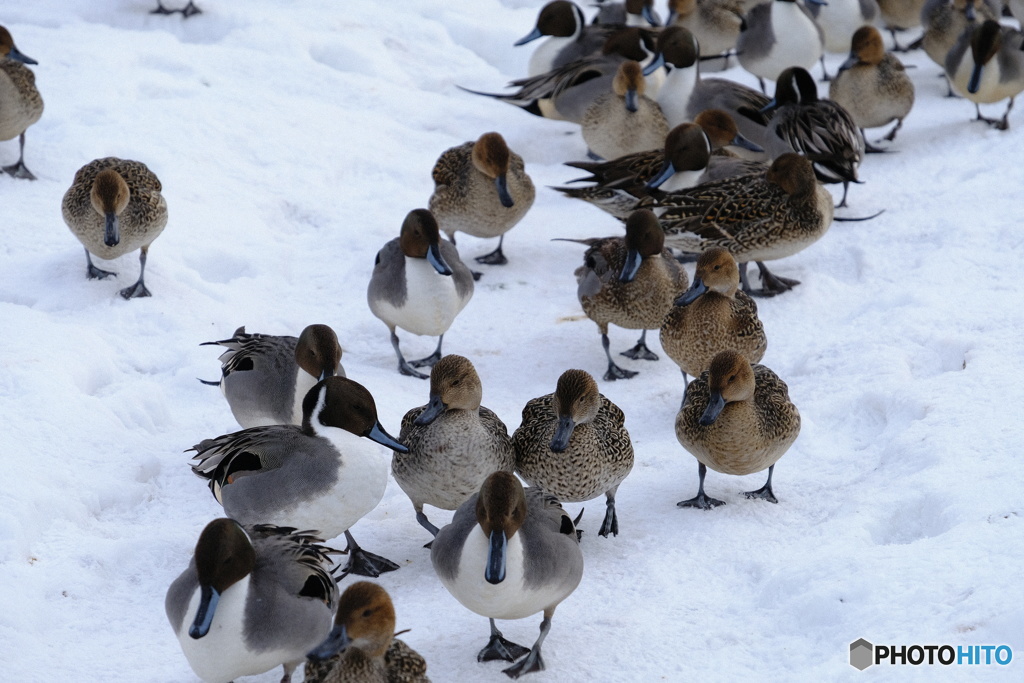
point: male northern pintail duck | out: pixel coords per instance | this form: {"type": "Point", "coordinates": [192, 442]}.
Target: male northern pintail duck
{"type": "Point", "coordinates": [716, 24]}
{"type": "Point", "coordinates": [987, 65]}
{"type": "Point", "coordinates": [186, 11]}
{"type": "Point", "coordinates": [620, 183]}
{"type": "Point", "coordinates": [253, 598]}
{"type": "Point", "coordinates": [566, 92]}
{"type": "Point", "coordinates": [574, 444]}
{"type": "Point", "coordinates": [509, 553]}
{"type": "Point", "coordinates": [757, 217]}
{"type": "Point", "coordinates": [113, 207]}
{"type": "Point", "coordinates": [630, 281]}
{"type": "Point", "coordinates": [568, 37]}
{"type": "Point", "coordinates": [712, 316]}
{"type": "Point", "coordinates": [324, 475]}
{"type": "Point", "coordinates": [624, 120]}
{"type": "Point", "coordinates": [265, 377]}
{"type": "Point", "coordinates": [839, 20]}
{"type": "Point", "coordinates": [872, 85]}
{"type": "Point", "coordinates": [20, 102]}
{"type": "Point", "coordinates": [779, 34]}
{"type": "Point", "coordinates": [900, 15]}
{"type": "Point", "coordinates": [821, 130]}
{"type": "Point", "coordinates": [684, 94]}
{"type": "Point", "coordinates": [945, 20]}
{"type": "Point", "coordinates": [482, 189]}
{"type": "Point", "coordinates": [453, 441]}
{"type": "Point", "coordinates": [362, 648]}
{"type": "Point", "coordinates": [736, 419]}
{"type": "Point", "coordinates": [420, 284]}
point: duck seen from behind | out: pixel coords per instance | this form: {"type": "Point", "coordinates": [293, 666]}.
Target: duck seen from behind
{"type": "Point", "coordinates": [712, 316]}
{"type": "Point", "coordinates": [115, 206]}
{"type": "Point", "coordinates": [362, 648]}
{"type": "Point", "coordinates": [574, 444]}
{"type": "Point", "coordinates": [736, 419]}
{"type": "Point", "coordinates": [252, 598]}
{"type": "Point", "coordinates": [986, 66]}
{"type": "Point", "coordinates": [20, 102]}
{"type": "Point", "coordinates": [482, 189]}
{"type": "Point", "coordinates": [420, 284]}
{"type": "Point", "coordinates": [265, 377]}
{"type": "Point", "coordinates": [508, 554]}
{"type": "Point", "coordinates": [631, 282]}
{"type": "Point", "coordinates": [323, 475]}
{"type": "Point", "coordinates": [454, 442]}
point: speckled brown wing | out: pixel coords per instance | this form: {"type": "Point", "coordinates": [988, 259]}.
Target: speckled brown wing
{"type": "Point", "coordinates": [611, 423]}
{"type": "Point", "coordinates": [750, 336]}
{"type": "Point", "coordinates": [451, 166]}
{"type": "Point", "coordinates": [780, 420]}
{"type": "Point", "coordinates": [143, 185]}
{"type": "Point", "coordinates": [405, 665]}
{"type": "Point", "coordinates": [630, 172]}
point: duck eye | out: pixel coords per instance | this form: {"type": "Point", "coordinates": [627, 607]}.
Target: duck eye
{"type": "Point", "coordinates": [456, 382]}
{"type": "Point", "coordinates": [367, 612]}
{"type": "Point", "coordinates": [717, 267]}
{"type": "Point", "coordinates": [732, 378]}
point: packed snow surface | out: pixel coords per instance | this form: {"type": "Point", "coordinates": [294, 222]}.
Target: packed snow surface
{"type": "Point", "coordinates": [291, 139]}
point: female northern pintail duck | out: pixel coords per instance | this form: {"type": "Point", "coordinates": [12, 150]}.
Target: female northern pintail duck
{"type": "Point", "coordinates": [630, 282]}
{"type": "Point", "coordinates": [323, 475]}
{"type": "Point", "coordinates": [453, 442]}
{"type": "Point", "coordinates": [723, 134]}
{"type": "Point", "coordinates": [113, 207]}
{"type": "Point", "coordinates": [736, 419]}
{"type": "Point", "coordinates": [779, 34]}
{"type": "Point", "coordinates": [482, 189]}
{"type": "Point", "coordinates": [265, 377]}
{"type": "Point", "coordinates": [839, 20]}
{"type": "Point", "coordinates": [987, 65]}
{"type": "Point", "coordinates": [20, 102]}
{"type": "Point", "coordinates": [872, 85]}
{"type": "Point", "coordinates": [712, 316]}
{"type": "Point", "coordinates": [624, 120]}
{"type": "Point", "coordinates": [945, 20]}
{"type": "Point", "coordinates": [900, 15]}
{"type": "Point", "coordinates": [420, 284]}
{"type": "Point", "coordinates": [574, 444]}
{"type": "Point", "coordinates": [362, 648]}
{"type": "Point", "coordinates": [186, 11]}
{"type": "Point", "coordinates": [252, 598]}
{"type": "Point", "coordinates": [821, 130]}
{"type": "Point", "coordinates": [757, 217]}
{"type": "Point", "coordinates": [716, 24]}
{"type": "Point", "coordinates": [684, 95]}
{"type": "Point", "coordinates": [620, 183]}
{"type": "Point", "coordinates": [509, 553]}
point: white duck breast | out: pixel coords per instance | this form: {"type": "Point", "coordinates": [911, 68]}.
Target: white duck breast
{"type": "Point", "coordinates": [674, 95]}
{"type": "Point", "coordinates": [797, 42]}
{"type": "Point", "coordinates": [510, 599]}
{"type": "Point", "coordinates": [839, 19]}
{"type": "Point", "coordinates": [431, 303]}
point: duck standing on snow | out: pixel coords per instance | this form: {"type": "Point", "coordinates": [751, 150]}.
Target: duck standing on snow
{"type": "Point", "coordinates": [454, 443]}
{"type": "Point", "coordinates": [624, 120]}
{"type": "Point", "coordinates": [509, 553]}
{"type": "Point", "coordinates": [113, 207]}
{"type": "Point", "coordinates": [362, 648]}
{"type": "Point", "coordinates": [779, 34]}
{"type": "Point", "coordinates": [574, 444]}
{"type": "Point", "coordinates": [736, 419]}
{"type": "Point", "coordinates": [420, 284]}
{"type": "Point", "coordinates": [821, 130]}
{"type": "Point", "coordinates": [987, 65]}
{"type": "Point", "coordinates": [186, 11]}
{"type": "Point", "coordinates": [631, 282]}
{"type": "Point", "coordinates": [482, 189]}
{"type": "Point", "coordinates": [20, 102]}
{"type": "Point", "coordinates": [757, 217]}
{"type": "Point", "coordinates": [712, 316]}
{"type": "Point", "coordinates": [252, 598]}
{"type": "Point", "coordinates": [265, 377]}
{"type": "Point", "coordinates": [323, 475]}
{"type": "Point", "coordinates": [872, 85]}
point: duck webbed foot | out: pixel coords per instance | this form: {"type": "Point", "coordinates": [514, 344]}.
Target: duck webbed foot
{"type": "Point", "coordinates": [495, 258]}
{"type": "Point", "coordinates": [611, 520]}
{"type": "Point", "coordinates": [499, 648]}
{"type": "Point", "coordinates": [614, 372]}
{"type": "Point", "coordinates": [701, 500]}
{"type": "Point", "coordinates": [430, 360]}
{"type": "Point", "coordinates": [765, 492]}
{"type": "Point", "coordinates": [363, 563]}
{"type": "Point", "coordinates": [640, 351]}
{"type": "Point", "coordinates": [533, 661]}
{"type": "Point", "coordinates": [770, 284]}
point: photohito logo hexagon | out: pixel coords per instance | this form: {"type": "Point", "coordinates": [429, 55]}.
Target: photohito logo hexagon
{"type": "Point", "coordinates": [861, 654]}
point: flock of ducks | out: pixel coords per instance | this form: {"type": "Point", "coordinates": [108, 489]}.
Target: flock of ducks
{"type": "Point", "coordinates": [704, 166]}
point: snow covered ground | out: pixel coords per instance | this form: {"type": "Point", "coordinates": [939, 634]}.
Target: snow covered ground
{"type": "Point", "coordinates": [291, 140]}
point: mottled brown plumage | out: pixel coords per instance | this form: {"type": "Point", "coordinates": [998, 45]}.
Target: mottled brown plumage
{"type": "Point", "coordinates": [713, 316]}
{"type": "Point", "coordinates": [612, 129]}
{"type": "Point", "coordinates": [597, 454]}
{"type": "Point", "coordinates": [20, 102]}
{"type": "Point", "coordinates": [755, 427]}
{"type": "Point", "coordinates": [872, 85]}
{"type": "Point", "coordinates": [123, 193]}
